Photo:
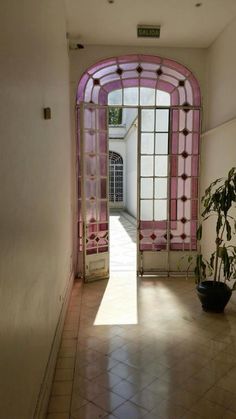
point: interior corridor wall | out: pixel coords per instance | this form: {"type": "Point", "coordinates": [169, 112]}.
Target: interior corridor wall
{"type": "Point", "coordinates": [36, 207]}
{"type": "Point", "coordinates": [218, 149]}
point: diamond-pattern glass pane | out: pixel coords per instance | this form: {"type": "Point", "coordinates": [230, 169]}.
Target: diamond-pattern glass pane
{"type": "Point", "coordinates": [167, 151]}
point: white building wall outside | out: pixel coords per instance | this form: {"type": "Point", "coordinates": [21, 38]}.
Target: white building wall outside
{"type": "Point", "coordinates": [131, 171]}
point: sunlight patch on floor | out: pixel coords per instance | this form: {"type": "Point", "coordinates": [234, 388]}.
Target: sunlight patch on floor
{"type": "Point", "coordinates": [119, 303]}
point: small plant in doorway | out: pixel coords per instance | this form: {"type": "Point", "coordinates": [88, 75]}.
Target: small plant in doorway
{"type": "Point", "coordinates": [212, 275]}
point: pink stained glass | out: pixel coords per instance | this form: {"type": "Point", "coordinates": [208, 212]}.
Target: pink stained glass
{"type": "Point", "coordinates": [89, 118]}
{"type": "Point", "coordinates": [175, 120]}
{"type": "Point", "coordinates": [101, 64]}
{"type": "Point", "coordinates": [174, 187]}
{"type": "Point", "coordinates": [130, 83]}
{"type": "Point", "coordinates": [195, 143]}
{"type": "Point", "coordinates": [175, 98]}
{"type": "Point", "coordinates": [88, 91]}
{"type": "Point", "coordinates": [130, 75]}
{"type": "Point", "coordinates": [128, 58]}
{"type": "Point", "coordinates": [153, 67]}
{"type": "Point", "coordinates": [91, 214]}
{"type": "Point", "coordinates": [165, 86]}
{"type": "Point", "coordinates": [149, 75]}
{"type": "Point", "coordinates": [182, 95]}
{"type": "Point", "coordinates": [195, 90]}
{"type": "Point", "coordinates": [171, 80]}
{"type": "Point", "coordinates": [95, 94]}
{"type": "Point", "coordinates": [102, 142]}
{"type": "Point", "coordinates": [176, 66]}
{"type": "Point", "coordinates": [148, 83]}
{"type": "Point", "coordinates": [90, 141]}
{"type": "Point", "coordinates": [189, 92]}
{"type": "Point", "coordinates": [189, 120]}
{"type": "Point", "coordinates": [174, 143]}
{"type": "Point", "coordinates": [196, 121]}
{"type": "Point", "coordinates": [103, 213]}
{"type": "Point", "coordinates": [150, 59]}
{"type": "Point", "coordinates": [105, 71]}
{"type": "Point", "coordinates": [102, 98]}
{"type": "Point", "coordinates": [81, 88]}
{"type": "Point", "coordinates": [109, 78]}
{"type": "Point", "coordinates": [142, 71]}
{"type": "Point", "coordinates": [101, 123]}
{"type": "Point", "coordinates": [115, 85]}
{"type": "Point", "coordinates": [172, 72]}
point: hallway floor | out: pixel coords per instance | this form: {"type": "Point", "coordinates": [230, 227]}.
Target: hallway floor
{"type": "Point", "coordinates": [143, 350]}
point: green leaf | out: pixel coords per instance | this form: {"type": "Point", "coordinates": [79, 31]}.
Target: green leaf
{"type": "Point", "coordinates": [228, 230]}
{"type": "Point", "coordinates": [199, 232]}
{"type": "Point", "coordinates": [212, 260]}
{"type": "Point", "coordinates": [219, 224]}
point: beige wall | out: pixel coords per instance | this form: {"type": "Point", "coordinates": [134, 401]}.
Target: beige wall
{"type": "Point", "coordinates": [221, 78]}
{"type": "Point", "coordinates": [35, 210]}
{"type": "Point", "coordinates": [218, 151]}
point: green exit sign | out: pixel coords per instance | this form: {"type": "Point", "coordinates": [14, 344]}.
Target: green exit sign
{"type": "Point", "coordinates": [144, 31]}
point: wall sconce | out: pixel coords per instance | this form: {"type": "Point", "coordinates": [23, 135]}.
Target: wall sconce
{"type": "Point", "coordinates": [47, 113]}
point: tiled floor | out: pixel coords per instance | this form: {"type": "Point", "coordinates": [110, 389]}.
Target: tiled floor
{"type": "Point", "coordinates": [144, 352]}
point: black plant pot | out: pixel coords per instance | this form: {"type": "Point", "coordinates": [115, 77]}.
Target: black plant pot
{"type": "Point", "coordinates": [213, 295]}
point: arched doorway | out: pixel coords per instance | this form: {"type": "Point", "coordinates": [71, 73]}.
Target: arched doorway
{"type": "Point", "coordinates": [116, 189]}
{"type": "Point", "coordinates": [163, 236]}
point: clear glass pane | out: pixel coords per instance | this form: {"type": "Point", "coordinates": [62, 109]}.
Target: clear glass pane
{"type": "Point", "coordinates": [146, 166]}
{"type": "Point", "coordinates": [146, 211]}
{"type": "Point", "coordinates": [161, 146]}
{"type": "Point", "coordinates": [131, 96]}
{"type": "Point", "coordinates": [115, 97]}
{"type": "Point", "coordinates": [146, 188]}
{"type": "Point", "coordinates": [147, 144]}
{"type": "Point", "coordinates": [147, 96]}
{"type": "Point", "coordinates": [160, 210]}
{"type": "Point", "coordinates": [147, 120]}
{"type": "Point", "coordinates": [161, 188]}
{"type": "Point", "coordinates": [162, 120]}
{"type": "Point", "coordinates": [161, 165]}
{"type": "Point", "coordinates": [162, 98]}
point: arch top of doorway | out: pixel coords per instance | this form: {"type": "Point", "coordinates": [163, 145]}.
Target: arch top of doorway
{"type": "Point", "coordinates": [135, 70]}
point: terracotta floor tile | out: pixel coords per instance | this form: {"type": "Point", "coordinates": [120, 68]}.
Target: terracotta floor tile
{"type": "Point", "coordinates": [129, 410]}
{"type": "Point", "coordinates": [108, 401]}
{"type": "Point", "coordinates": [89, 411]}
{"type": "Point", "coordinates": [145, 349]}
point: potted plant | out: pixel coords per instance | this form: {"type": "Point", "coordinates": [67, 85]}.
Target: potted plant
{"type": "Point", "coordinates": [212, 275]}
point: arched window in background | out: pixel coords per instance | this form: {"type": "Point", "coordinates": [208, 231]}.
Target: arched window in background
{"type": "Point", "coordinates": [115, 177]}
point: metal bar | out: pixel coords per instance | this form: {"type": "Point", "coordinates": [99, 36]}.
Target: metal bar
{"type": "Point", "coordinates": [139, 264]}
{"type": "Point", "coordinates": [146, 106]}
{"type": "Point", "coordinates": [83, 197]}
{"type": "Point", "coordinates": [169, 190]}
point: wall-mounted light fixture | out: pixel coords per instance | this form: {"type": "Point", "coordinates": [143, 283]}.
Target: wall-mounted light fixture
{"type": "Point", "coordinates": [47, 113]}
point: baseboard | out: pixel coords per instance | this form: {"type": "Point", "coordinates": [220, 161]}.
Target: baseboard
{"type": "Point", "coordinates": [44, 394]}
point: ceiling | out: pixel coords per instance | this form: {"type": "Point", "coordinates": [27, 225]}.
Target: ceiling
{"type": "Point", "coordinates": [183, 24]}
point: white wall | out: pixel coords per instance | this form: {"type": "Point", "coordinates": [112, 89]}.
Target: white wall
{"type": "Point", "coordinates": [35, 210]}
{"type": "Point", "coordinates": [131, 171]}
{"type": "Point", "coordinates": [221, 78]}
{"type": "Point", "coordinates": [218, 149]}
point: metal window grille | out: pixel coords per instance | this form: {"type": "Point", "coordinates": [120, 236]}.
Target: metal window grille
{"type": "Point", "coordinates": [115, 177]}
